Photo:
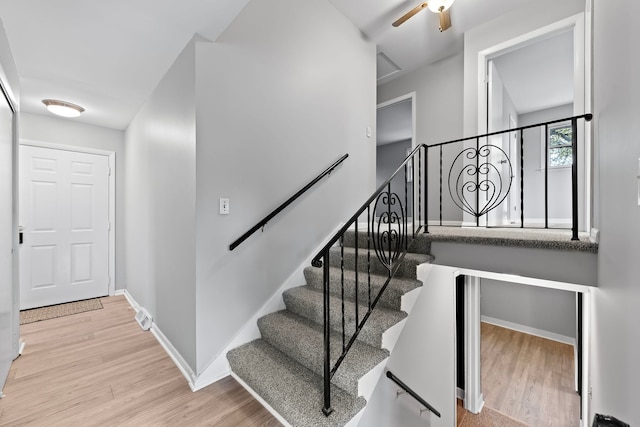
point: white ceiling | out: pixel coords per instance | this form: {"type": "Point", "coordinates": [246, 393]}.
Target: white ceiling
{"type": "Point", "coordinates": [418, 41]}
{"type": "Point", "coordinates": [108, 56]}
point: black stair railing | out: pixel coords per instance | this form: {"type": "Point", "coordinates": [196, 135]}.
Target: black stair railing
{"type": "Point", "coordinates": [413, 394]}
{"type": "Point", "coordinates": [481, 175]}
{"type": "Point", "coordinates": [291, 199]}
{"type": "Point", "coordinates": [382, 229]}
{"type": "Point", "coordinates": [391, 218]}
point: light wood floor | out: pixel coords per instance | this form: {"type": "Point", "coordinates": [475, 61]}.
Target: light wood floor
{"type": "Point", "coordinates": [528, 378]}
{"type": "Point", "coordinates": [100, 369]}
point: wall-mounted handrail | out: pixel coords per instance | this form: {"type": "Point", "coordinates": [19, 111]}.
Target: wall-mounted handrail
{"type": "Point", "coordinates": [291, 199]}
{"type": "Point", "coordinates": [413, 393]}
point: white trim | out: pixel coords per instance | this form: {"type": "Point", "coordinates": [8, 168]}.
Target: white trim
{"type": "Point", "coordinates": [582, 101]}
{"type": "Point", "coordinates": [529, 330]}
{"type": "Point", "coordinates": [219, 366]}
{"type": "Point", "coordinates": [587, 301]}
{"type": "Point", "coordinates": [595, 235]}
{"type": "Point", "coordinates": [261, 401]}
{"type": "Point", "coordinates": [524, 280]}
{"type": "Point", "coordinates": [177, 358]}
{"type": "Point", "coordinates": [111, 156]}
{"type": "Point", "coordinates": [474, 400]}
{"type": "Point", "coordinates": [472, 323]}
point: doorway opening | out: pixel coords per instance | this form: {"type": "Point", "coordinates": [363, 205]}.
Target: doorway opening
{"type": "Point", "coordinates": [534, 78]}
{"type": "Point", "coordinates": [523, 344]}
{"type": "Point", "coordinates": [395, 134]}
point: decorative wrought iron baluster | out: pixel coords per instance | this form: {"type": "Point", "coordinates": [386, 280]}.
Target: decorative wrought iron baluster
{"type": "Point", "coordinates": [441, 185]}
{"type": "Point", "coordinates": [406, 203]}
{"type": "Point", "coordinates": [413, 195]}
{"type": "Point", "coordinates": [389, 221]}
{"type": "Point", "coordinates": [426, 189]}
{"type": "Point", "coordinates": [356, 273]}
{"type": "Point", "coordinates": [369, 252]}
{"type": "Point", "coordinates": [327, 338]}
{"type": "Point", "coordinates": [477, 173]}
{"type": "Point", "coordinates": [546, 176]}
{"type": "Point", "coordinates": [342, 286]}
{"type": "Point", "coordinates": [574, 179]}
{"type": "Point", "coordinates": [522, 178]}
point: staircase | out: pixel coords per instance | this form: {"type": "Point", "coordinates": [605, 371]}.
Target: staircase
{"type": "Point", "coordinates": [285, 366]}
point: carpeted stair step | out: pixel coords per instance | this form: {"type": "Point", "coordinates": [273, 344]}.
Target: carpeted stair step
{"type": "Point", "coordinates": [391, 298]}
{"type": "Point", "coordinates": [303, 340]}
{"type": "Point", "coordinates": [407, 268]}
{"type": "Point", "coordinates": [308, 302]}
{"type": "Point", "coordinates": [418, 245]}
{"type": "Point", "coordinates": [292, 390]}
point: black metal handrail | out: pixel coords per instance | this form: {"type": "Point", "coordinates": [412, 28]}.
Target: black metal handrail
{"type": "Point", "coordinates": [496, 192]}
{"type": "Point", "coordinates": [280, 208]}
{"type": "Point", "coordinates": [413, 394]}
{"type": "Point", "coordinates": [387, 218]}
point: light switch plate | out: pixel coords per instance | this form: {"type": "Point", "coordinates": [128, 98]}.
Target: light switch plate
{"type": "Point", "coordinates": [224, 206]}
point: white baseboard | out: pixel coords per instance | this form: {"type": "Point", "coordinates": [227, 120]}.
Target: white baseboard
{"type": "Point", "coordinates": [261, 400]}
{"type": "Point", "coordinates": [529, 330]}
{"type": "Point", "coordinates": [177, 358]}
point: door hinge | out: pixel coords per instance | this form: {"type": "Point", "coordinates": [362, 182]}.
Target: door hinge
{"type": "Point", "coordinates": [109, 226]}
{"type": "Point", "coordinates": [109, 170]}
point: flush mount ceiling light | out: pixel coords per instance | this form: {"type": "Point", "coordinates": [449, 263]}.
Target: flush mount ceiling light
{"type": "Point", "coordinates": [62, 108]}
{"type": "Point", "coordinates": [441, 7]}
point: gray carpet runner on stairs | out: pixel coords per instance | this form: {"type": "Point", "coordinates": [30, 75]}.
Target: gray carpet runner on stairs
{"type": "Point", "coordinates": [285, 366]}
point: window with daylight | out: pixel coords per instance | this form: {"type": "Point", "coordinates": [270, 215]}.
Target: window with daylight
{"type": "Point", "coordinates": [560, 150]}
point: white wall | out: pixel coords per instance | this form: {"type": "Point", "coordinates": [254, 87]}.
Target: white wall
{"type": "Point", "coordinates": [423, 358]}
{"type": "Point", "coordinates": [559, 178]}
{"type": "Point", "coordinates": [57, 130]}
{"type": "Point", "coordinates": [160, 205]}
{"type": "Point", "coordinates": [615, 339]}
{"type": "Point", "coordinates": [545, 309]}
{"type": "Point", "coordinates": [439, 108]}
{"type": "Point", "coordinates": [286, 90]}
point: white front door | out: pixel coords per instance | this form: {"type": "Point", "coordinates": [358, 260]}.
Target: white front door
{"type": "Point", "coordinates": [64, 212]}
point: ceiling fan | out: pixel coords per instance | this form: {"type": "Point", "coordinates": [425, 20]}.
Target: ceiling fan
{"type": "Point", "coordinates": [440, 7]}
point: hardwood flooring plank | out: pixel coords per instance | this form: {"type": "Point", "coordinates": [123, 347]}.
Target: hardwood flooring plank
{"type": "Point", "coordinates": [99, 368]}
{"type": "Point", "coordinates": [528, 378]}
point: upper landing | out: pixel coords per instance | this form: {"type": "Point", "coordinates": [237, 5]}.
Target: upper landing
{"type": "Point", "coordinates": [513, 237]}
{"type": "Point", "coordinates": [544, 254]}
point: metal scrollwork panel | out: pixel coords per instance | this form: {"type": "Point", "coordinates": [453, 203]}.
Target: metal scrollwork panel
{"type": "Point", "coordinates": [477, 181]}
{"type": "Point", "coordinates": [389, 228]}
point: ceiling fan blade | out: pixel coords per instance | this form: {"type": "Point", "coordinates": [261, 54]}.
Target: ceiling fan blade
{"type": "Point", "coordinates": [445, 20]}
{"type": "Point", "coordinates": [409, 14]}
